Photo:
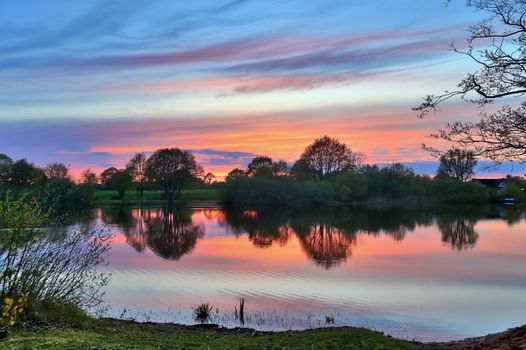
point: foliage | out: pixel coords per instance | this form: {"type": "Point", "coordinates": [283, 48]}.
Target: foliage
{"type": "Point", "coordinates": [88, 177]}
{"type": "Point", "coordinates": [258, 163]}
{"type": "Point", "coordinates": [256, 191]}
{"type": "Point", "coordinates": [120, 182]}
{"type": "Point", "coordinates": [6, 165]}
{"type": "Point", "coordinates": [63, 197]}
{"type": "Point", "coordinates": [234, 174]}
{"type": "Point", "coordinates": [458, 164]}
{"type": "Point", "coordinates": [452, 191]}
{"type": "Point", "coordinates": [173, 169]}
{"type": "Point", "coordinates": [56, 171]}
{"type": "Point", "coordinates": [390, 185]}
{"type": "Point", "coordinates": [107, 174]}
{"type": "Point", "coordinates": [513, 188]}
{"type": "Point", "coordinates": [301, 171]}
{"type": "Point", "coordinates": [136, 167]}
{"type": "Point", "coordinates": [203, 313]}
{"type": "Point", "coordinates": [41, 266]}
{"type": "Point", "coordinates": [350, 186]}
{"type": "Point", "coordinates": [327, 156]}
{"type": "Point", "coordinates": [209, 178]}
{"type": "Point", "coordinates": [12, 308]}
{"type": "Point", "coordinates": [501, 58]}
{"type": "Point", "coordinates": [25, 173]}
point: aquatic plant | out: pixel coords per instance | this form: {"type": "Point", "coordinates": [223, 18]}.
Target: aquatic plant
{"type": "Point", "coordinates": [203, 313]}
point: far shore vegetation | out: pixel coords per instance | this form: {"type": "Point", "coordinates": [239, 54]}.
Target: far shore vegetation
{"type": "Point", "coordinates": [327, 173]}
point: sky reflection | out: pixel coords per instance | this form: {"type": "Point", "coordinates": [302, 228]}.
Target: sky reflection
{"type": "Point", "coordinates": [405, 277]}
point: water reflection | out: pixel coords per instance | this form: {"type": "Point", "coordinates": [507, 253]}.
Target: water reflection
{"type": "Point", "coordinates": [394, 270]}
{"type": "Point", "coordinates": [327, 236]}
{"type": "Point", "coordinates": [168, 232]}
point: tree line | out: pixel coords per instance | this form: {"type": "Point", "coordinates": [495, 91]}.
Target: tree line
{"type": "Point", "coordinates": [326, 170]}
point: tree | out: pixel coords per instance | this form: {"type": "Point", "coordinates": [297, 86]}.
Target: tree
{"type": "Point", "coordinates": [25, 173]}
{"type": "Point", "coordinates": [327, 156]}
{"type": "Point", "coordinates": [301, 171]}
{"type": "Point", "coordinates": [208, 178]}
{"type": "Point", "coordinates": [280, 168]}
{"type": "Point", "coordinates": [120, 182]}
{"type": "Point", "coordinates": [173, 169]}
{"type": "Point", "coordinates": [235, 174]}
{"type": "Point", "coordinates": [88, 177]}
{"type": "Point", "coordinates": [136, 167]}
{"type": "Point", "coordinates": [6, 165]}
{"type": "Point", "coordinates": [501, 135]}
{"type": "Point", "coordinates": [56, 171]}
{"type": "Point", "coordinates": [458, 164]}
{"type": "Point", "coordinates": [398, 169]}
{"type": "Point", "coordinates": [107, 174]}
{"type": "Point", "coordinates": [259, 163]}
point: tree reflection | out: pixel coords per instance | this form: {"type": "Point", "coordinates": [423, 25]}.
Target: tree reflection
{"type": "Point", "coordinates": [459, 233]}
{"type": "Point", "coordinates": [326, 245]}
{"type": "Point", "coordinates": [168, 232]}
{"type": "Point", "coordinates": [327, 236]}
{"type": "Point", "coordinates": [171, 233]}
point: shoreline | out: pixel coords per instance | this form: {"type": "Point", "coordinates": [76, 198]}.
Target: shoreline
{"type": "Point", "coordinates": [110, 330]}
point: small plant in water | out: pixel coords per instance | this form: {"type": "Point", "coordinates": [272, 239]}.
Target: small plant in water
{"type": "Point", "coordinates": [329, 319]}
{"type": "Point", "coordinates": [242, 311]}
{"type": "Point", "coordinates": [203, 313]}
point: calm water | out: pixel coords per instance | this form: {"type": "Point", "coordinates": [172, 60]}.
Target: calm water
{"type": "Point", "coordinates": [437, 275]}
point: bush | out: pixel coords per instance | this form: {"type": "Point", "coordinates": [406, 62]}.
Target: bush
{"type": "Point", "coordinates": [265, 192]}
{"type": "Point", "coordinates": [42, 268]}
{"type": "Point", "coordinates": [452, 191]}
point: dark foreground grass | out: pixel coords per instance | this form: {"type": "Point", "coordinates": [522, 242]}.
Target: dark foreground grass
{"type": "Point", "coordinates": [114, 334]}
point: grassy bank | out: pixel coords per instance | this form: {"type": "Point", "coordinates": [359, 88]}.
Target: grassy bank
{"type": "Point", "coordinates": [113, 334]}
{"type": "Point", "coordinates": [110, 197]}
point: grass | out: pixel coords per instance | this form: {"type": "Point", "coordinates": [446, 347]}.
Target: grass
{"type": "Point", "coordinates": [113, 334]}
{"type": "Point", "coordinates": [155, 197]}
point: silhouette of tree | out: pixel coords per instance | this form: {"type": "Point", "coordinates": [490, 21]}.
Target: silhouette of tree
{"type": "Point", "coordinates": [6, 166]}
{"type": "Point", "coordinates": [235, 174]}
{"type": "Point", "coordinates": [327, 156]}
{"type": "Point", "coordinates": [25, 173]}
{"type": "Point", "coordinates": [171, 234]}
{"type": "Point", "coordinates": [172, 168]}
{"type": "Point", "coordinates": [280, 168]}
{"type": "Point", "coordinates": [301, 171]}
{"type": "Point", "coordinates": [88, 177]}
{"type": "Point", "coordinates": [121, 181]}
{"type": "Point", "coordinates": [260, 165]}
{"type": "Point", "coordinates": [107, 174]}
{"type": "Point", "coordinates": [136, 167]}
{"type": "Point", "coordinates": [458, 164]}
{"type": "Point", "coordinates": [208, 178]}
{"type": "Point", "coordinates": [459, 233]}
{"type": "Point", "coordinates": [502, 135]}
{"type": "Point", "coordinates": [56, 171]}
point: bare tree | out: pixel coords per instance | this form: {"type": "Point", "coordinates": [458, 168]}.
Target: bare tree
{"type": "Point", "coordinates": [458, 164]}
{"type": "Point", "coordinates": [136, 167]}
{"type": "Point", "coordinates": [326, 156]}
{"type": "Point", "coordinates": [502, 73]}
{"type": "Point", "coordinates": [88, 177]}
{"type": "Point", "coordinates": [56, 171]}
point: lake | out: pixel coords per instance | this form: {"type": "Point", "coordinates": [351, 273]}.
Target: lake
{"type": "Point", "coordinates": [439, 274]}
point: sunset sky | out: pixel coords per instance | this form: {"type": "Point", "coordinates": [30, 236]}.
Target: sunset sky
{"type": "Point", "coordinates": [89, 83]}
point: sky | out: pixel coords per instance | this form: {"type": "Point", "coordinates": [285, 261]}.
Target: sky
{"type": "Point", "coordinates": [90, 83]}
